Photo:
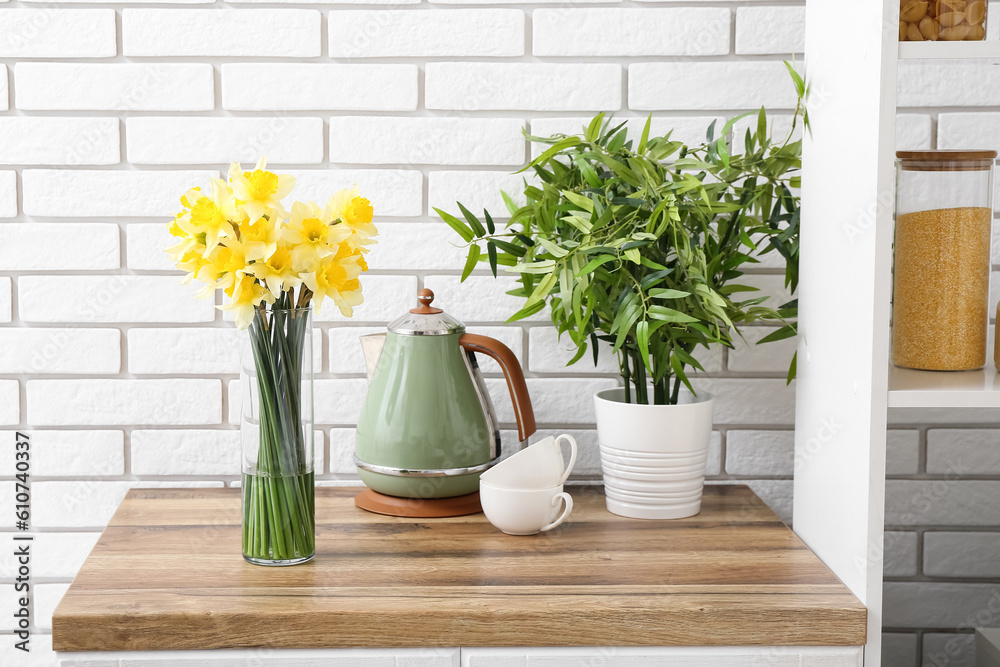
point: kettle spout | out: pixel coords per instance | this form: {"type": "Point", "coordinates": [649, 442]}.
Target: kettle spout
{"type": "Point", "coordinates": [372, 346]}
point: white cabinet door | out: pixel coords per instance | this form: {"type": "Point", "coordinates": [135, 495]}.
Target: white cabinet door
{"type": "Point", "coordinates": [365, 657]}
{"type": "Point", "coordinates": [770, 656]}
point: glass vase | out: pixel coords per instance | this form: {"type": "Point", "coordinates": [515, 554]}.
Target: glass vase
{"type": "Point", "coordinates": [276, 427]}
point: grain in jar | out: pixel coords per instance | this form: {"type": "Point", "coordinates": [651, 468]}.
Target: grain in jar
{"type": "Point", "coordinates": [942, 20]}
{"type": "Point", "coordinates": [941, 259]}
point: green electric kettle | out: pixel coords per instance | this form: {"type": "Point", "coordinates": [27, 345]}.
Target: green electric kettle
{"type": "Point", "coordinates": [427, 429]}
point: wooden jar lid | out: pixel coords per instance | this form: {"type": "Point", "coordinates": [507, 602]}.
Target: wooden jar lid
{"type": "Point", "coordinates": [947, 160]}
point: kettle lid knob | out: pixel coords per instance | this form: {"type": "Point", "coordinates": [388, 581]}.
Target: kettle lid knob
{"type": "Point", "coordinates": [425, 297]}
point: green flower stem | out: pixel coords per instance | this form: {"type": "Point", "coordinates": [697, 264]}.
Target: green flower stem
{"type": "Point", "coordinates": [278, 507]}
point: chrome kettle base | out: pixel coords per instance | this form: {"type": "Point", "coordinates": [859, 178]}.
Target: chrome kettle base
{"type": "Point", "coordinates": [410, 472]}
{"type": "Point", "coordinates": [421, 484]}
{"type": "Point", "coordinates": [418, 508]}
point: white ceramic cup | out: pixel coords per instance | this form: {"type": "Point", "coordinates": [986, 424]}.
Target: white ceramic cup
{"type": "Point", "coordinates": [538, 466]}
{"type": "Point", "coordinates": [524, 511]}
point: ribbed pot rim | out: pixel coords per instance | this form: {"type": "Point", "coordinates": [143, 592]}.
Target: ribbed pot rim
{"type": "Point", "coordinates": [606, 395]}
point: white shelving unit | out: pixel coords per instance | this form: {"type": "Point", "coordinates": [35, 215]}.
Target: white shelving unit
{"type": "Point", "coordinates": [928, 389]}
{"type": "Point", "coordinates": [845, 384]}
{"type": "Point", "coordinates": [946, 50]}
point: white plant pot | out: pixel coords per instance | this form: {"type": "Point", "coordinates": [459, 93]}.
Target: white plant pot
{"type": "Point", "coordinates": [663, 446]}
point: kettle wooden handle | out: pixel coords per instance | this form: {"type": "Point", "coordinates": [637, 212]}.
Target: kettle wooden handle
{"type": "Point", "coordinates": [503, 355]}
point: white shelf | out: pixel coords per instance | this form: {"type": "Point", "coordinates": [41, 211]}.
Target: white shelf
{"type": "Point", "coordinates": [944, 50]}
{"type": "Point", "coordinates": [942, 389]}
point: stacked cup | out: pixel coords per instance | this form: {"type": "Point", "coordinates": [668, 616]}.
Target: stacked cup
{"type": "Point", "coordinates": [522, 494]}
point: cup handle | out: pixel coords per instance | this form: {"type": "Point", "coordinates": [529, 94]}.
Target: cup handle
{"type": "Point", "coordinates": [572, 455]}
{"type": "Point", "coordinates": [568, 499]}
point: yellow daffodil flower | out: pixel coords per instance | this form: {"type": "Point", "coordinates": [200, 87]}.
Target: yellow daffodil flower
{"type": "Point", "coordinates": [244, 297]}
{"type": "Point", "coordinates": [259, 190]}
{"type": "Point", "coordinates": [237, 237]}
{"type": "Point", "coordinates": [210, 215]}
{"type": "Point", "coordinates": [311, 237]}
{"type": "Point", "coordinates": [260, 238]}
{"type": "Point", "coordinates": [356, 212]}
{"type": "Point", "coordinates": [276, 272]}
{"type": "Point", "coordinates": [337, 279]}
{"type": "Point", "coordinates": [226, 265]}
{"type": "Point", "coordinates": [192, 262]}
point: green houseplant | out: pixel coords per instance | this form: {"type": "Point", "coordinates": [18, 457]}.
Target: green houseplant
{"type": "Point", "coordinates": [643, 245]}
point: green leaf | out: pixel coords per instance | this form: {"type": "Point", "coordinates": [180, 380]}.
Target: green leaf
{"type": "Point", "coordinates": [668, 294]}
{"type": "Point", "coordinates": [618, 141]}
{"type": "Point", "coordinates": [471, 261]}
{"type": "Point", "coordinates": [578, 221]}
{"type": "Point", "coordinates": [678, 368]}
{"type": "Point", "coordinates": [800, 85]}
{"type": "Point", "coordinates": [642, 337]}
{"type": "Point", "coordinates": [492, 250]}
{"type": "Point", "coordinates": [527, 311]}
{"type": "Point", "coordinates": [644, 139]}
{"type": "Point", "coordinates": [781, 334]}
{"type": "Point", "coordinates": [670, 315]}
{"type": "Point", "coordinates": [508, 247]}
{"type": "Point", "coordinates": [594, 129]}
{"type": "Point", "coordinates": [633, 255]}
{"type": "Point", "coordinates": [512, 208]}
{"type": "Point", "coordinates": [542, 290]}
{"type": "Point", "coordinates": [474, 223]}
{"type": "Point", "coordinates": [561, 145]}
{"type": "Point", "coordinates": [489, 222]}
{"type": "Point", "coordinates": [727, 128]}
{"type": "Point", "coordinates": [460, 227]}
{"type": "Point", "coordinates": [552, 248]}
{"type": "Point", "coordinates": [593, 180]}
{"type": "Point", "coordinates": [594, 263]}
{"type": "Point", "coordinates": [651, 279]}
{"type": "Point", "coordinates": [791, 369]}
{"type": "Point", "coordinates": [543, 266]}
{"type": "Point", "coordinates": [583, 202]}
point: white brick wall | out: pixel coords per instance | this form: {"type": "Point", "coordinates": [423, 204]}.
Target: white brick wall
{"type": "Point", "coordinates": [491, 86]}
{"type": "Point", "coordinates": [461, 32]}
{"type": "Point", "coordinates": [409, 141]}
{"type": "Point", "coordinates": [75, 351]}
{"type": "Point", "coordinates": [694, 85]}
{"type": "Point", "coordinates": [125, 379]}
{"type": "Point", "coordinates": [58, 33]}
{"type": "Point", "coordinates": [765, 30]}
{"type": "Point", "coordinates": [630, 32]}
{"type": "Point", "coordinates": [221, 140]}
{"type": "Point", "coordinates": [282, 33]}
{"type": "Point", "coordinates": [88, 194]}
{"type": "Point", "coordinates": [295, 87]}
{"type": "Point", "coordinates": [117, 87]}
{"type": "Point", "coordinates": [8, 189]}
{"type": "Point", "coordinates": [69, 246]}
{"type": "Point", "coordinates": [62, 141]}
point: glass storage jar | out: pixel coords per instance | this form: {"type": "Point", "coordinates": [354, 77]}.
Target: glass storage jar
{"type": "Point", "coordinates": [941, 259]}
{"type": "Point", "coordinates": [945, 20]}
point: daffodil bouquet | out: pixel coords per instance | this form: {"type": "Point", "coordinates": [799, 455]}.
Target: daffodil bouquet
{"type": "Point", "coordinates": [272, 266]}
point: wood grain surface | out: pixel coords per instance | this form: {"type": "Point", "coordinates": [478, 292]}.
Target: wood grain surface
{"type": "Point", "coordinates": [167, 574]}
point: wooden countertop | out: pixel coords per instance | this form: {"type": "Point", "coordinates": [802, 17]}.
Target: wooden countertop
{"type": "Point", "coordinates": [167, 574]}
